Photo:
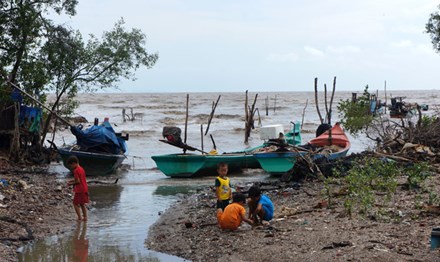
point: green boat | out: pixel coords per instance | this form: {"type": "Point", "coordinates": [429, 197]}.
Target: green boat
{"type": "Point", "coordinates": [191, 164]}
{"type": "Point", "coordinates": [331, 144]}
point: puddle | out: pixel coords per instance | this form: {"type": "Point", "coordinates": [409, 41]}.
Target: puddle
{"type": "Point", "coordinates": [119, 218]}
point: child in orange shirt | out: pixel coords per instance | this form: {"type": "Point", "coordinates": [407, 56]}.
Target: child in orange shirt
{"type": "Point", "coordinates": [80, 187]}
{"type": "Point", "coordinates": [234, 213]}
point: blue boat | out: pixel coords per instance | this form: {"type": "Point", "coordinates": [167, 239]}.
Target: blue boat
{"type": "Point", "coordinates": [100, 149]}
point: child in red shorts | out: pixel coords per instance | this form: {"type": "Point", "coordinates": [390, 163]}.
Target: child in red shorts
{"type": "Point", "coordinates": [80, 187]}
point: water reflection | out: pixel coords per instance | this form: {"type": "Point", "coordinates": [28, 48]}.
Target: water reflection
{"type": "Point", "coordinates": [173, 190]}
{"type": "Point", "coordinates": [80, 243]}
{"type": "Point", "coordinates": [116, 230]}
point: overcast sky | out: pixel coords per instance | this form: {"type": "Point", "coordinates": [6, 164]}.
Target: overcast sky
{"type": "Point", "coordinates": [276, 45]}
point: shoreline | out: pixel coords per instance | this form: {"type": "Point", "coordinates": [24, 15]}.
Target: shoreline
{"type": "Point", "coordinates": [34, 205]}
{"type": "Point", "coordinates": [303, 229]}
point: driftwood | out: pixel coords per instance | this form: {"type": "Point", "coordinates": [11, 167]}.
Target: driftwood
{"type": "Point", "coordinates": [249, 114]}
{"type": "Point", "coordinates": [328, 106]}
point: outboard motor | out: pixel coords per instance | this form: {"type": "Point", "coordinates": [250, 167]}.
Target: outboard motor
{"type": "Point", "coordinates": [172, 134]}
{"type": "Point", "coordinates": [322, 128]}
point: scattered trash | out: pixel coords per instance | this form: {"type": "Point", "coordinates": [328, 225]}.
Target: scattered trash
{"type": "Point", "coordinates": [4, 182]}
{"type": "Point", "coordinates": [338, 244]}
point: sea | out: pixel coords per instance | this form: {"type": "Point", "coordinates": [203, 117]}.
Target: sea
{"type": "Point", "coordinates": [120, 215]}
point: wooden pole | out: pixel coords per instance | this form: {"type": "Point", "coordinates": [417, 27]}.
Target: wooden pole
{"type": "Point", "coordinates": [303, 113]}
{"type": "Point", "coordinates": [246, 119]}
{"type": "Point", "coordinates": [201, 136]}
{"type": "Point", "coordinates": [186, 121]}
{"type": "Point", "coordinates": [214, 106]}
{"type": "Point", "coordinates": [326, 104]}
{"type": "Point", "coordinates": [266, 103]}
{"type": "Point", "coordinates": [385, 88]}
{"type": "Point", "coordinates": [331, 101]}
{"type": "Point", "coordinates": [275, 104]}
{"type": "Point", "coordinates": [316, 100]}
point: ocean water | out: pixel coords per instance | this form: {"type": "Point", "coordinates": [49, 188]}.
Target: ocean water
{"type": "Point", "coordinates": [121, 214]}
{"type": "Point", "coordinates": [153, 111]}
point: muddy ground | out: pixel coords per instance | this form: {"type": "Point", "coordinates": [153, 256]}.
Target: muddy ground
{"type": "Point", "coordinates": [305, 228]}
{"type": "Point", "coordinates": [33, 205]}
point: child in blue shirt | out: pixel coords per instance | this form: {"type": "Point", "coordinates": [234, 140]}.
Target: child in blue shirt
{"type": "Point", "coordinates": [260, 206]}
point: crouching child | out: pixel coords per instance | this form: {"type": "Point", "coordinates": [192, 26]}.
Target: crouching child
{"type": "Point", "coordinates": [260, 206]}
{"type": "Point", "coordinates": [234, 214]}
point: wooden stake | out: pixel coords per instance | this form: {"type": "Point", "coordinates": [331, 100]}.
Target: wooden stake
{"type": "Point", "coordinates": [214, 106]}
{"type": "Point", "coordinates": [201, 136]}
{"type": "Point", "coordinates": [316, 100]}
{"type": "Point", "coordinates": [186, 120]}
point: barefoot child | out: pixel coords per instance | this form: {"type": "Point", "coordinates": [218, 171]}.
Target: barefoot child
{"type": "Point", "coordinates": [222, 188]}
{"type": "Point", "coordinates": [80, 187]}
{"type": "Point", "coordinates": [234, 214]}
{"type": "Point", "coordinates": [260, 206]}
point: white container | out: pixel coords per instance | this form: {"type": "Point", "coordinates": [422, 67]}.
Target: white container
{"type": "Point", "coordinates": [271, 131]}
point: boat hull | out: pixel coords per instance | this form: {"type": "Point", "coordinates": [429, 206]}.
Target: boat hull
{"type": "Point", "coordinates": [189, 165]}
{"type": "Point", "coordinates": [93, 163]}
{"type": "Point", "coordinates": [279, 163]}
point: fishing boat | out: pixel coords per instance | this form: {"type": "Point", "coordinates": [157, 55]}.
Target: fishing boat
{"type": "Point", "coordinates": [100, 149]}
{"type": "Point", "coordinates": [401, 109]}
{"type": "Point", "coordinates": [205, 163]}
{"type": "Point", "coordinates": [331, 144]}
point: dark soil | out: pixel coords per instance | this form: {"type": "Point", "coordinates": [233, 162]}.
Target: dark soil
{"type": "Point", "coordinates": [33, 205]}
{"type": "Point", "coordinates": [304, 228]}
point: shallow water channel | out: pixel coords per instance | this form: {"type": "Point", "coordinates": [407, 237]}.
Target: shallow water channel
{"type": "Point", "coordinates": [119, 218]}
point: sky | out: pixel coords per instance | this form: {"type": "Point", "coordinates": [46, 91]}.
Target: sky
{"type": "Point", "coordinates": [276, 45]}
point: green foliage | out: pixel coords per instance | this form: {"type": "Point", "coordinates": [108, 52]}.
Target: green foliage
{"type": "Point", "coordinates": [364, 179]}
{"type": "Point", "coordinates": [433, 198]}
{"type": "Point", "coordinates": [41, 56]}
{"type": "Point", "coordinates": [417, 174]}
{"type": "Point", "coordinates": [433, 29]}
{"type": "Point", "coordinates": [355, 116]}
{"type": "Point", "coordinates": [428, 121]}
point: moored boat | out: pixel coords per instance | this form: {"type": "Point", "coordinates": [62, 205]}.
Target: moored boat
{"type": "Point", "coordinates": [100, 149]}
{"type": "Point", "coordinates": [332, 144]}
{"type": "Point", "coordinates": [189, 164]}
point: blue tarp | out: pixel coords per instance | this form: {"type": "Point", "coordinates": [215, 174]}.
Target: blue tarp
{"type": "Point", "coordinates": [98, 138]}
{"type": "Point", "coordinates": [30, 118]}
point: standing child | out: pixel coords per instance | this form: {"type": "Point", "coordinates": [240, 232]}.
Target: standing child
{"type": "Point", "coordinates": [222, 188]}
{"type": "Point", "coordinates": [260, 206]}
{"type": "Point", "coordinates": [80, 187]}
{"type": "Point", "coordinates": [234, 213]}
